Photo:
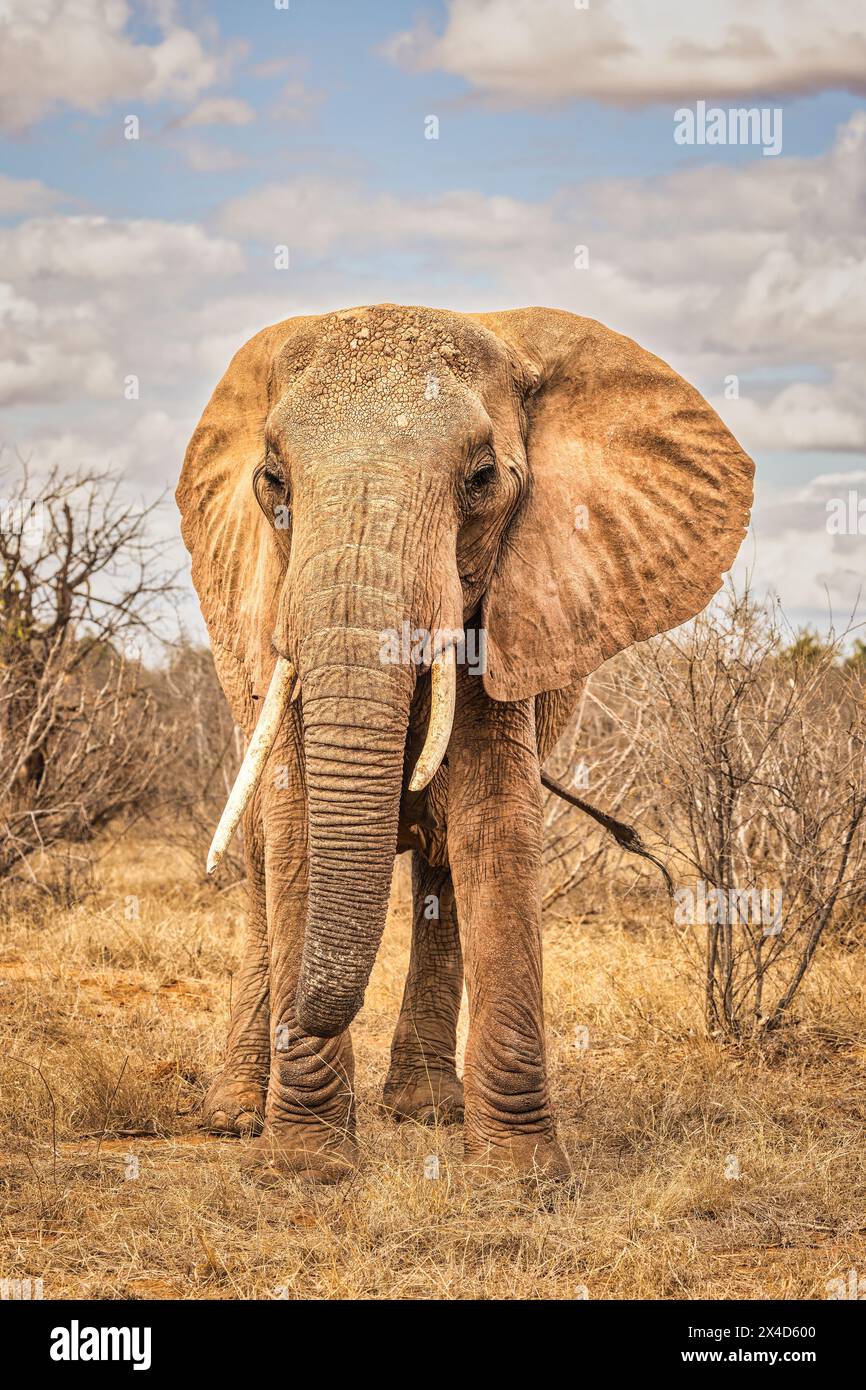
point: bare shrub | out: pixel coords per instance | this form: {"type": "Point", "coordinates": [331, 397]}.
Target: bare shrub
{"type": "Point", "coordinates": [749, 764]}
{"type": "Point", "coordinates": [745, 757]}
{"type": "Point", "coordinates": [79, 738]}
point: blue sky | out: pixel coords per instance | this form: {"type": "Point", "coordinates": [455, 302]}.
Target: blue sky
{"type": "Point", "coordinates": [306, 127]}
{"type": "Point", "coordinates": [365, 115]}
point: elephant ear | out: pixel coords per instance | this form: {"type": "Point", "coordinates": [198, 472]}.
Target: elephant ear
{"type": "Point", "coordinates": [236, 564]}
{"type": "Point", "coordinates": [638, 501]}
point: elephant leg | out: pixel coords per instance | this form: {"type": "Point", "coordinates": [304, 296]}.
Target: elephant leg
{"type": "Point", "coordinates": [235, 1102]}
{"type": "Point", "coordinates": [422, 1083]}
{"type": "Point", "coordinates": [309, 1128]}
{"type": "Point", "coordinates": [494, 848]}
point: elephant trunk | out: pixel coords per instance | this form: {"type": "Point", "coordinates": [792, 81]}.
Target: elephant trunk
{"type": "Point", "coordinates": [355, 723]}
{"type": "Point", "coordinates": [344, 592]}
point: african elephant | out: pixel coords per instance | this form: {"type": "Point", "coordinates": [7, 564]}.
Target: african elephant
{"type": "Point", "coordinates": [530, 476]}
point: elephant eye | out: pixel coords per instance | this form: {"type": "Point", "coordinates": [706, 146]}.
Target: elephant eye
{"type": "Point", "coordinates": [272, 473]}
{"type": "Point", "coordinates": [272, 493]}
{"type": "Point", "coordinates": [480, 481]}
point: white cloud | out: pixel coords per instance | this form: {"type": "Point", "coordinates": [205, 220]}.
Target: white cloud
{"type": "Point", "coordinates": [143, 449]}
{"type": "Point", "coordinates": [799, 557]}
{"type": "Point", "coordinates": [295, 103]}
{"type": "Point", "coordinates": [207, 158]}
{"type": "Point", "coordinates": [325, 216]}
{"type": "Point", "coordinates": [726, 270]}
{"type": "Point", "coordinates": [219, 111]}
{"type": "Point", "coordinates": [24, 197]}
{"type": "Point", "coordinates": [78, 54]}
{"type": "Point", "coordinates": [106, 249]}
{"type": "Point", "coordinates": [49, 352]}
{"type": "Point", "coordinates": [629, 52]}
{"type": "Point", "coordinates": [90, 300]}
{"type": "Point", "coordinates": [754, 269]}
{"type": "Point", "coordinates": [802, 416]}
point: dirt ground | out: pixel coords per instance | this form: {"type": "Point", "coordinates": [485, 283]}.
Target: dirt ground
{"type": "Point", "coordinates": [699, 1170]}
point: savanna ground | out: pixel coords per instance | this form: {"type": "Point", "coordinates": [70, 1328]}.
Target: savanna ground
{"type": "Point", "coordinates": [113, 1015]}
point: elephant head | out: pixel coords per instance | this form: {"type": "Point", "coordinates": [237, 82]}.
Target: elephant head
{"type": "Point", "coordinates": [529, 470]}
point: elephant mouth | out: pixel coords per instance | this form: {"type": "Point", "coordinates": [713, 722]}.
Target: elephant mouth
{"type": "Point", "coordinates": [284, 688]}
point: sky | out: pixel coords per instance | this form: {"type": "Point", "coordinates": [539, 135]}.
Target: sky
{"type": "Point", "coordinates": [455, 154]}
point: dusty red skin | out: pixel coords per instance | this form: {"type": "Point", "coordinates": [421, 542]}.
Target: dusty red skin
{"type": "Point", "coordinates": [530, 471]}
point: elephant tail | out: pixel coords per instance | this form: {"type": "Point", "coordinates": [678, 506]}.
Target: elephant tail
{"type": "Point", "coordinates": [625, 835]}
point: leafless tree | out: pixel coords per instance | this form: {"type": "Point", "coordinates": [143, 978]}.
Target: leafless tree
{"type": "Point", "coordinates": [742, 752]}
{"type": "Point", "coordinates": [757, 754]}
{"type": "Point", "coordinates": [81, 580]}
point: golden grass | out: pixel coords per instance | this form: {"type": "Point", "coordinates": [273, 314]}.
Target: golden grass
{"type": "Point", "coordinates": [111, 1025]}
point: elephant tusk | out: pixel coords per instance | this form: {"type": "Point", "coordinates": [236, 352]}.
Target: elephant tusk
{"type": "Point", "coordinates": [259, 747]}
{"type": "Point", "coordinates": [443, 692]}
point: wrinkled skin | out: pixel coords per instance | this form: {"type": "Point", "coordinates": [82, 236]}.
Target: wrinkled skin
{"type": "Point", "coordinates": [530, 474]}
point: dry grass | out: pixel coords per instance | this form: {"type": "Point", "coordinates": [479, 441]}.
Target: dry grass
{"type": "Point", "coordinates": [111, 1026]}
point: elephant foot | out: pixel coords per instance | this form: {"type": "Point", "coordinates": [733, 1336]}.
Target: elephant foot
{"type": "Point", "coordinates": [233, 1107]}
{"type": "Point", "coordinates": [531, 1156]}
{"type": "Point", "coordinates": [428, 1098]}
{"type": "Point", "coordinates": [315, 1153]}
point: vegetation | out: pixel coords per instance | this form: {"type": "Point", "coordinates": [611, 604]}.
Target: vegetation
{"type": "Point", "coordinates": [704, 1054]}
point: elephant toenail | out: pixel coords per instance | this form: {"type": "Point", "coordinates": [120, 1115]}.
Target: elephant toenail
{"type": "Point", "coordinates": [219, 1120]}
{"type": "Point", "coordinates": [246, 1122]}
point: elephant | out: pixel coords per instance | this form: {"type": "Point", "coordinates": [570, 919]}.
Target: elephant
{"type": "Point", "coordinates": [528, 476]}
